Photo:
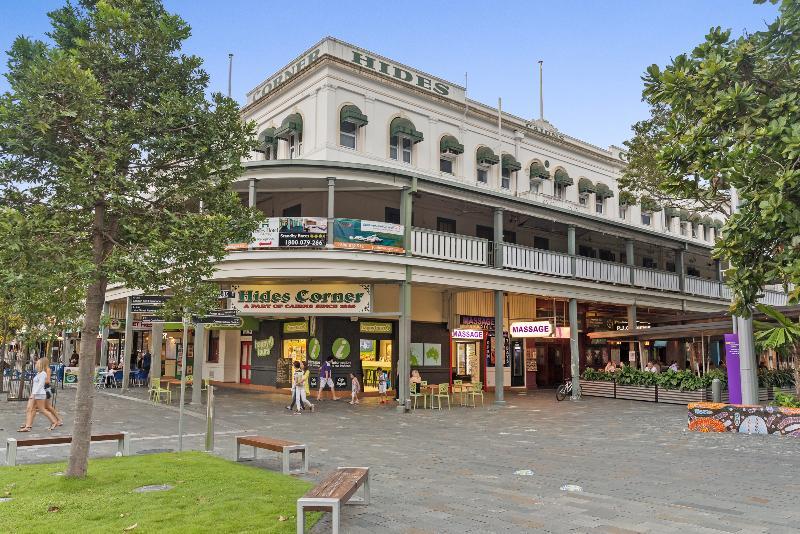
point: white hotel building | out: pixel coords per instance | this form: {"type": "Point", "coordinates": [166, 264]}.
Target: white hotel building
{"type": "Point", "coordinates": [452, 223]}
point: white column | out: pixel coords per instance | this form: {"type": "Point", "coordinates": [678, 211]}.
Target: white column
{"type": "Point", "coordinates": [103, 340]}
{"type": "Point", "coordinates": [499, 349]}
{"type": "Point", "coordinates": [199, 360]}
{"type": "Point", "coordinates": [574, 349]}
{"type": "Point", "coordinates": [331, 212]}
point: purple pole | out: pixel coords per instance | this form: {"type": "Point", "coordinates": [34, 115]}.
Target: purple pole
{"type": "Point", "coordinates": [732, 364]}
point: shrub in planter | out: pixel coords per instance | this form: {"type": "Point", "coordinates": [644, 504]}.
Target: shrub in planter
{"type": "Point", "coordinates": [786, 401]}
{"type": "Point", "coordinates": [770, 378]}
{"type": "Point", "coordinates": [598, 376]}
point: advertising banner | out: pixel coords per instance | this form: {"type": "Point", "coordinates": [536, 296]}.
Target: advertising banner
{"type": "Point", "coordinates": [368, 235]}
{"type": "Point", "coordinates": [70, 376]}
{"type": "Point", "coordinates": [310, 299]}
{"type": "Point", "coordinates": [732, 364]}
{"type": "Point", "coordinates": [531, 329]}
{"type": "Point", "coordinates": [291, 232]}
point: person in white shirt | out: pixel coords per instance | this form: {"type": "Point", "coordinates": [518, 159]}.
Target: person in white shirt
{"type": "Point", "coordinates": [673, 366]}
{"type": "Point", "coordinates": [39, 395]}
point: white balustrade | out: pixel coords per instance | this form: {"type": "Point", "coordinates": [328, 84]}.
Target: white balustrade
{"type": "Point", "coordinates": [774, 298]}
{"type": "Point", "coordinates": [702, 287]}
{"type": "Point", "coordinates": [653, 279]}
{"type": "Point", "coordinates": [451, 247]}
{"type": "Point", "coordinates": [536, 260]}
{"type": "Point", "coordinates": [602, 271]}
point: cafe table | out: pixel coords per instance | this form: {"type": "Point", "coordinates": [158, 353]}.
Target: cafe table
{"type": "Point", "coordinates": [461, 389]}
{"type": "Point", "coordinates": [432, 389]}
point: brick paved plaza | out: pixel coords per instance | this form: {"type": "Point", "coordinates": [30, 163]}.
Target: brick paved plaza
{"type": "Point", "coordinates": [638, 468]}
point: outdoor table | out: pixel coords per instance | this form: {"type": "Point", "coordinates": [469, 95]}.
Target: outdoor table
{"type": "Point", "coordinates": [464, 387]}
{"type": "Point", "coordinates": [433, 389]}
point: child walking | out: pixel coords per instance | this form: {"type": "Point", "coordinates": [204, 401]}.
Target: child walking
{"type": "Point", "coordinates": [382, 385]}
{"type": "Point", "coordinates": [356, 387]}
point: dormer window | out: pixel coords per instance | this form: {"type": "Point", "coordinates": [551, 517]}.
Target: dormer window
{"type": "Point", "coordinates": [402, 138]}
{"type": "Point", "coordinates": [350, 120]}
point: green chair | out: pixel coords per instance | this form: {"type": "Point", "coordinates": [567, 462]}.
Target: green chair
{"type": "Point", "coordinates": [423, 387]}
{"type": "Point", "coordinates": [206, 382]}
{"type": "Point", "coordinates": [477, 391]}
{"type": "Point", "coordinates": [156, 391]}
{"type": "Point", "coordinates": [415, 394]}
{"type": "Point", "coordinates": [457, 387]}
{"type": "Point", "coordinates": [444, 392]}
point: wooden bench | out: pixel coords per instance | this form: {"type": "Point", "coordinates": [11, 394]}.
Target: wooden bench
{"type": "Point", "coordinates": [336, 489]}
{"type": "Point", "coordinates": [122, 439]}
{"type": "Point", "coordinates": [278, 445]}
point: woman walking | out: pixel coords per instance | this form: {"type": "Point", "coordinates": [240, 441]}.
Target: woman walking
{"type": "Point", "coordinates": [39, 396]}
{"type": "Point", "coordinates": [49, 393]}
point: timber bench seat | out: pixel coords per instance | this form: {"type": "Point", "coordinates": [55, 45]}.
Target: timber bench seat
{"type": "Point", "coordinates": [278, 445]}
{"type": "Point", "coordinates": [336, 489]}
{"type": "Point", "coordinates": [122, 439]}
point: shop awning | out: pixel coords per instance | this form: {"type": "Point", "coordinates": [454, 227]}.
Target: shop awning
{"type": "Point", "coordinates": [562, 178]}
{"type": "Point", "coordinates": [601, 190]}
{"type": "Point", "coordinates": [486, 156]}
{"type": "Point", "coordinates": [677, 331]}
{"type": "Point", "coordinates": [352, 114]}
{"type": "Point", "coordinates": [510, 163]}
{"type": "Point", "coordinates": [401, 126]}
{"type": "Point", "coordinates": [450, 145]}
{"type": "Point", "coordinates": [291, 124]}
{"type": "Point", "coordinates": [538, 171]}
{"type": "Point", "coordinates": [585, 185]}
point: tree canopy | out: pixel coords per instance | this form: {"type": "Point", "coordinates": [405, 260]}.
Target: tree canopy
{"type": "Point", "coordinates": [725, 121]}
{"type": "Point", "coordinates": [108, 129]}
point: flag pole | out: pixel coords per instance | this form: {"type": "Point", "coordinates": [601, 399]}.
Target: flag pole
{"type": "Point", "coordinates": [541, 93]}
{"type": "Point", "coordinates": [230, 73]}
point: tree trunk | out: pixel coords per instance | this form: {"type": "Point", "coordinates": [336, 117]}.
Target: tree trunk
{"type": "Point", "coordinates": [84, 400]}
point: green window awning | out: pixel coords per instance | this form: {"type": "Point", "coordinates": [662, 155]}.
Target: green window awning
{"type": "Point", "coordinates": [510, 163]}
{"type": "Point", "coordinates": [717, 224]}
{"type": "Point", "coordinates": [683, 214]}
{"type": "Point", "coordinates": [649, 205]}
{"type": "Point", "coordinates": [267, 139]}
{"type": "Point", "coordinates": [626, 198]}
{"type": "Point", "coordinates": [585, 185]}
{"type": "Point", "coordinates": [538, 171]}
{"type": "Point", "coordinates": [352, 114]}
{"type": "Point", "coordinates": [707, 221]}
{"type": "Point", "coordinates": [671, 212]}
{"type": "Point", "coordinates": [694, 218]}
{"type": "Point", "coordinates": [486, 156]}
{"type": "Point", "coordinates": [401, 126]}
{"type": "Point", "coordinates": [562, 178]}
{"type": "Point", "coordinates": [450, 145]}
{"type": "Point", "coordinates": [601, 190]}
{"type": "Point", "coordinates": [293, 124]}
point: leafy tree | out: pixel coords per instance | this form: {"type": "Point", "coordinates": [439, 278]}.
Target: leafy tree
{"type": "Point", "coordinates": [727, 115]}
{"type": "Point", "coordinates": [782, 335]}
{"type": "Point", "coordinates": [108, 128]}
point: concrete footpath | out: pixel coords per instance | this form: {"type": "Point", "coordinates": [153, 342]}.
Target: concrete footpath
{"type": "Point", "coordinates": [535, 465]}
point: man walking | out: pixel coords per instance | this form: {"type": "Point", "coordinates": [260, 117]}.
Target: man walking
{"type": "Point", "coordinates": [326, 377]}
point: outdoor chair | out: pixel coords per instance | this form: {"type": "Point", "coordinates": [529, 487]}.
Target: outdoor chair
{"type": "Point", "coordinates": [206, 382]}
{"type": "Point", "coordinates": [118, 378]}
{"type": "Point", "coordinates": [156, 391]}
{"type": "Point", "coordinates": [457, 384]}
{"type": "Point", "coordinates": [477, 391]}
{"type": "Point", "coordinates": [415, 394]}
{"type": "Point", "coordinates": [444, 393]}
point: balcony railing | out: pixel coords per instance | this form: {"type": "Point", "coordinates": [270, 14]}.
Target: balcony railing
{"type": "Point", "coordinates": [536, 260]}
{"type": "Point", "coordinates": [451, 247]}
{"type": "Point", "coordinates": [476, 251]}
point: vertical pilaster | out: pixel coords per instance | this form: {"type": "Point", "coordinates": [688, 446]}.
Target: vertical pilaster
{"type": "Point", "coordinates": [571, 248]}
{"type": "Point", "coordinates": [199, 360]}
{"type": "Point", "coordinates": [103, 339]}
{"type": "Point", "coordinates": [498, 237]}
{"type": "Point", "coordinates": [499, 349]}
{"type": "Point", "coordinates": [128, 347]}
{"type": "Point", "coordinates": [630, 259]}
{"type": "Point", "coordinates": [156, 343]}
{"type": "Point", "coordinates": [331, 210]}
{"type": "Point", "coordinates": [574, 349]}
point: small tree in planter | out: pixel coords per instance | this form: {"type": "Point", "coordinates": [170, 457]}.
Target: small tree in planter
{"type": "Point", "coordinates": [783, 336]}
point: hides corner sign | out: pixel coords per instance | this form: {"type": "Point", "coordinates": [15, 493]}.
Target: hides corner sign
{"type": "Point", "coordinates": [315, 299]}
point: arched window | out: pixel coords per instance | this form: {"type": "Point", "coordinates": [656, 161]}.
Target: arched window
{"type": "Point", "coordinates": [508, 170]}
{"type": "Point", "coordinates": [269, 144]}
{"type": "Point", "coordinates": [601, 193]}
{"type": "Point", "coordinates": [537, 174]}
{"type": "Point", "coordinates": [449, 149]}
{"type": "Point", "coordinates": [350, 120]}
{"type": "Point", "coordinates": [561, 181]}
{"type": "Point", "coordinates": [291, 131]}
{"type": "Point", "coordinates": [402, 138]}
{"type": "Point", "coordinates": [485, 158]}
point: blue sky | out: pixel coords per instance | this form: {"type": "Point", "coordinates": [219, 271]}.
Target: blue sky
{"type": "Point", "coordinates": [594, 52]}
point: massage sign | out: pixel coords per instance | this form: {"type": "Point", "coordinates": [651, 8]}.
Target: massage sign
{"type": "Point", "coordinates": [313, 299]}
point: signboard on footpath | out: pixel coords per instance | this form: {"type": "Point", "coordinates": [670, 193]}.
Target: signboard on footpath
{"type": "Point", "coordinates": [368, 235]}
{"type": "Point", "coordinates": [317, 299]}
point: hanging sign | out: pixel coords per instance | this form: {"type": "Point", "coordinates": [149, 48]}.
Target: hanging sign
{"type": "Point", "coordinates": [296, 327]}
{"type": "Point", "coordinates": [368, 235]}
{"type": "Point", "coordinates": [316, 299]}
{"type": "Point", "coordinates": [523, 329]}
{"type": "Point", "coordinates": [464, 333]}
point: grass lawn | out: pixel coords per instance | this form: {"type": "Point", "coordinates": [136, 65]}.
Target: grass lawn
{"type": "Point", "coordinates": [209, 495]}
